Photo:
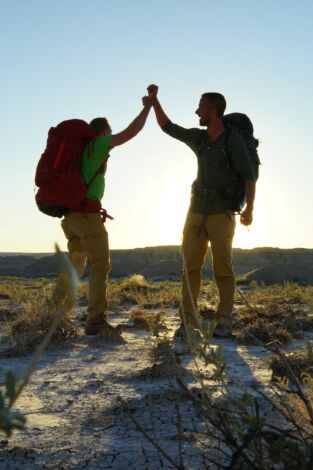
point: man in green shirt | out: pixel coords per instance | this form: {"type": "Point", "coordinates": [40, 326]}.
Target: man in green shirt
{"type": "Point", "coordinates": [210, 218]}
{"type": "Point", "coordinates": [84, 229]}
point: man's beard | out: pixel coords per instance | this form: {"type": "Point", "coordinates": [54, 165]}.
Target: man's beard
{"type": "Point", "coordinates": [204, 122]}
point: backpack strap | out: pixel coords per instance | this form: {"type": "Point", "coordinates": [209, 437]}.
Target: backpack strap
{"type": "Point", "coordinates": [101, 167]}
{"type": "Point", "coordinates": [228, 132]}
{"type": "Point", "coordinates": [226, 152]}
{"type": "Point", "coordinates": [100, 170]}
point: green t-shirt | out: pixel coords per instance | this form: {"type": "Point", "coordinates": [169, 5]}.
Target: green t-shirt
{"type": "Point", "coordinates": [213, 173]}
{"type": "Point", "coordinates": [91, 162]}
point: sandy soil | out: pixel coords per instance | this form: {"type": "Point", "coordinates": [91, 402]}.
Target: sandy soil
{"type": "Point", "coordinates": [82, 397]}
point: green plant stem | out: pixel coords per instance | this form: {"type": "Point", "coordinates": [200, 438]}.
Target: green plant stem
{"type": "Point", "coordinates": [37, 356]}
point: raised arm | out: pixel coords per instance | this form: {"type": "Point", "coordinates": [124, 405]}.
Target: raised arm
{"type": "Point", "coordinates": [134, 127]}
{"type": "Point", "coordinates": [188, 136]}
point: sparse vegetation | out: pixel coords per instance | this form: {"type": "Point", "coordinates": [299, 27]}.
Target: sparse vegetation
{"type": "Point", "coordinates": [256, 428]}
{"type": "Point", "coordinates": [276, 313]}
{"type": "Point", "coordinates": [136, 290]}
{"type": "Point", "coordinates": [148, 320]}
{"type": "Point", "coordinates": [32, 323]}
{"type": "Point", "coordinates": [10, 420]}
{"type": "Point", "coordinates": [299, 361]}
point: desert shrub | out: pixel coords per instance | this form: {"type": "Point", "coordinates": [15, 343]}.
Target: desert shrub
{"type": "Point", "coordinates": [10, 420]}
{"type": "Point", "coordinates": [276, 313]}
{"type": "Point", "coordinates": [148, 320]}
{"type": "Point", "coordinates": [136, 290]}
{"type": "Point", "coordinates": [164, 362]}
{"type": "Point", "coordinates": [299, 361]}
{"type": "Point", "coordinates": [255, 430]}
{"type": "Point", "coordinates": [14, 292]}
{"type": "Point", "coordinates": [19, 290]}
{"type": "Point", "coordinates": [307, 296]}
{"type": "Point", "coordinates": [134, 281]}
{"type": "Point", "coordinates": [33, 322]}
{"type": "Point", "coordinates": [261, 325]}
{"type": "Point", "coordinates": [288, 293]}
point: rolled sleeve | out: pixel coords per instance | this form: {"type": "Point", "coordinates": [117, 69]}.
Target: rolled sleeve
{"type": "Point", "coordinates": [189, 136]}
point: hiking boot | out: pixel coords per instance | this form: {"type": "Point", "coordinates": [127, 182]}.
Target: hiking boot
{"type": "Point", "coordinates": [181, 334]}
{"type": "Point", "coordinates": [222, 331]}
{"type": "Point", "coordinates": [104, 329]}
{"type": "Point", "coordinates": [95, 328]}
{"type": "Point", "coordinates": [207, 314]}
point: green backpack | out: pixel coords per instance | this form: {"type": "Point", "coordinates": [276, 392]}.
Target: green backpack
{"type": "Point", "coordinates": [241, 124]}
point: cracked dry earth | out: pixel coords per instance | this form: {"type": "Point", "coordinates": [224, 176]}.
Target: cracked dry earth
{"type": "Point", "coordinates": [84, 397]}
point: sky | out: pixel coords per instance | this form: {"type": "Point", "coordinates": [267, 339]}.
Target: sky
{"type": "Point", "coordinates": [66, 59]}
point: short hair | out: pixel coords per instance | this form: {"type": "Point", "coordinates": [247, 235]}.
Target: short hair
{"type": "Point", "coordinates": [99, 125]}
{"type": "Point", "coordinates": [217, 101]}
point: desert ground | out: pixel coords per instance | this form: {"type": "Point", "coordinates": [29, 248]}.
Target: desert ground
{"type": "Point", "coordinates": [149, 402]}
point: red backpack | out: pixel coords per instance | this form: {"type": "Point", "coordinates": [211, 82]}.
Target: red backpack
{"type": "Point", "coordinates": [58, 177]}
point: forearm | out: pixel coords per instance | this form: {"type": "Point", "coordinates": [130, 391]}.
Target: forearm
{"type": "Point", "coordinates": [160, 115]}
{"type": "Point", "coordinates": [246, 216]}
{"type": "Point", "coordinates": [250, 187]}
{"type": "Point", "coordinates": [137, 124]}
{"type": "Point", "coordinates": [133, 129]}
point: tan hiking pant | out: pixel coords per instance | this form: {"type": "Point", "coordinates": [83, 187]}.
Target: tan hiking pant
{"type": "Point", "coordinates": [218, 229]}
{"type": "Point", "coordinates": [87, 238]}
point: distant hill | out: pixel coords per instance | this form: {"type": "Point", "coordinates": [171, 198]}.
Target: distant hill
{"type": "Point", "coordinates": [280, 273]}
{"type": "Point", "coordinates": [266, 264]}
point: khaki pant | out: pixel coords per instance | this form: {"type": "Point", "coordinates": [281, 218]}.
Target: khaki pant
{"type": "Point", "coordinates": [218, 229]}
{"type": "Point", "coordinates": [87, 238]}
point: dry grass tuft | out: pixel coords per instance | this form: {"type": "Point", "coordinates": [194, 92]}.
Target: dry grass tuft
{"type": "Point", "coordinates": [28, 315]}
{"type": "Point", "coordinates": [164, 361]}
{"type": "Point", "coordinates": [136, 290]}
{"type": "Point", "coordinates": [32, 323]}
{"type": "Point", "coordinates": [147, 320]}
{"type": "Point", "coordinates": [300, 362]}
{"type": "Point", "coordinates": [277, 313]}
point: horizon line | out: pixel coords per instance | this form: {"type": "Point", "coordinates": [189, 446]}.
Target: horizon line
{"type": "Point", "coordinates": [154, 246]}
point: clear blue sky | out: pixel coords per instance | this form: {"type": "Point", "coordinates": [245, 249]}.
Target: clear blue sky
{"type": "Point", "coordinates": [73, 58]}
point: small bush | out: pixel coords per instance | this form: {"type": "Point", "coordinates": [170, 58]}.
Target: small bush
{"type": "Point", "coordinates": [277, 313]}
{"type": "Point", "coordinates": [300, 362]}
{"type": "Point", "coordinates": [136, 290]}
{"type": "Point", "coordinates": [29, 327]}
{"type": "Point", "coordinates": [147, 320]}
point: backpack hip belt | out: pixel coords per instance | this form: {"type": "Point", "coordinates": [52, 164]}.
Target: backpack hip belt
{"type": "Point", "coordinates": [209, 192]}
{"type": "Point", "coordinates": [91, 206]}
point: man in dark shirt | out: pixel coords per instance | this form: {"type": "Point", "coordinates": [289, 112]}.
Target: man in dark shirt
{"type": "Point", "coordinates": [210, 218]}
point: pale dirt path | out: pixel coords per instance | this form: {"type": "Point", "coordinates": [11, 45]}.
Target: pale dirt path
{"type": "Point", "coordinates": [75, 418]}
